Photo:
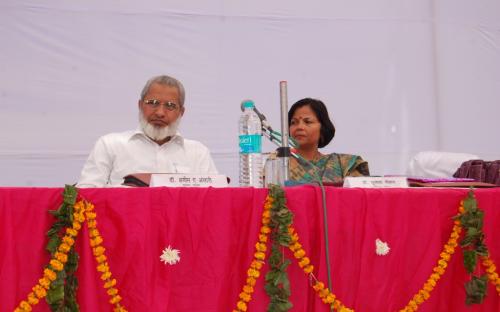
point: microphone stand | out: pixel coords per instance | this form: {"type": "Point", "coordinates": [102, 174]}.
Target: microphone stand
{"type": "Point", "coordinates": [284, 151]}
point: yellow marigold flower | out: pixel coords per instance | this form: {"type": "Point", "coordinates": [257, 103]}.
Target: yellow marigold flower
{"type": "Point", "coordinates": [418, 298]}
{"type": "Point", "coordinates": [64, 248]}
{"type": "Point", "coordinates": [115, 299]}
{"type": "Point", "coordinates": [323, 292]}
{"type": "Point", "coordinates": [294, 237]}
{"type": "Point", "coordinates": [110, 283]}
{"type": "Point", "coordinates": [251, 281]}
{"type": "Point", "coordinates": [245, 297]}
{"type": "Point", "coordinates": [96, 241]}
{"type": "Point", "coordinates": [77, 226]}
{"type": "Point", "coordinates": [93, 233]}
{"type": "Point", "coordinates": [62, 257]}
{"type": "Point", "coordinates": [253, 273]}
{"type": "Point", "coordinates": [435, 277]}
{"type": "Point", "coordinates": [330, 298]}
{"type": "Point", "coordinates": [92, 224]}
{"type": "Point", "coordinates": [56, 265]}
{"type": "Point", "coordinates": [103, 267]}
{"type": "Point", "coordinates": [442, 263]}
{"type": "Point", "coordinates": [491, 269]}
{"type": "Point", "coordinates": [256, 264]}
{"type": "Point", "coordinates": [91, 215]}
{"type": "Point", "coordinates": [308, 269]}
{"type": "Point", "coordinates": [248, 289]}
{"type": "Point", "coordinates": [299, 253]}
{"type": "Point", "coordinates": [449, 249]}
{"type": "Point", "coordinates": [106, 275]}
{"type": "Point", "coordinates": [318, 286]}
{"type": "Point", "coordinates": [99, 250]}
{"type": "Point", "coordinates": [32, 299]}
{"type": "Point", "coordinates": [425, 294]}
{"type": "Point", "coordinates": [445, 256]}
{"type": "Point", "coordinates": [262, 238]}
{"type": "Point", "coordinates": [439, 270]}
{"type": "Point", "coordinates": [68, 240]}
{"type": "Point", "coordinates": [112, 291]}
{"type": "Point", "coordinates": [25, 306]}
{"type": "Point", "coordinates": [101, 258]}
{"type": "Point", "coordinates": [265, 229]}
{"type": "Point", "coordinates": [48, 273]}
{"type": "Point", "coordinates": [79, 217]}
{"type": "Point", "coordinates": [260, 247]}
{"type": "Point", "coordinates": [89, 206]}
{"type": "Point", "coordinates": [295, 246]}
{"type": "Point", "coordinates": [260, 255]}
{"type": "Point", "coordinates": [39, 291]}
{"type": "Point", "coordinates": [242, 306]}
{"type": "Point", "coordinates": [44, 282]}
{"type": "Point", "coordinates": [304, 261]}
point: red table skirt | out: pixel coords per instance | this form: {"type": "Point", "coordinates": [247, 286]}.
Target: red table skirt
{"type": "Point", "coordinates": [215, 231]}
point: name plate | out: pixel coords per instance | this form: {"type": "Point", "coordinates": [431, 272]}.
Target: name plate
{"type": "Point", "coordinates": [372, 182]}
{"type": "Point", "coordinates": [188, 180]}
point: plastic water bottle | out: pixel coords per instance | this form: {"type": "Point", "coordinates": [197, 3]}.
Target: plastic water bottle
{"type": "Point", "coordinates": [250, 133]}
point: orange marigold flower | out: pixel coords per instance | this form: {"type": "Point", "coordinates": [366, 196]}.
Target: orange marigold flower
{"type": "Point", "coordinates": [295, 246]}
{"type": "Point", "coordinates": [251, 281]}
{"type": "Point", "coordinates": [93, 232]}
{"type": "Point", "coordinates": [115, 299]}
{"type": "Point", "coordinates": [253, 273]}
{"type": "Point", "coordinates": [89, 207]}
{"type": "Point", "coordinates": [265, 229]}
{"type": "Point", "coordinates": [456, 222]}
{"type": "Point", "coordinates": [323, 292]}
{"type": "Point", "coordinates": [112, 291]}
{"type": "Point", "coordinates": [266, 214]}
{"type": "Point", "coordinates": [106, 275]}
{"type": "Point", "coordinates": [449, 249]}
{"type": "Point", "coordinates": [318, 286]}
{"type": "Point", "coordinates": [32, 299]}
{"type": "Point", "coordinates": [304, 261]}
{"type": "Point", "coordinates": [491, 269]}
{"type": "Point", "coordinates": [44, 282]}
{"type": "Point", "coordinates": [242, 306]}
{"type": "Point", "coordinates": [418, 298]}
{"type": "Point", "coordinates": [77, 226]}
{"type": "Point", "coordinates": [79, 217]}
{"type": "Point", "coordinates": [445, 256]}
{"type": "Point", "coordinates": [442, 263]}
{"type": "Point", "coordinates": [260, 255]}
{"type": "Point", "coordinates": [96, 241]}
{"type": "Point", "coordinates": [248, 289]}
{"type": "Point", "coordinates": [92, 224]}
{"type": "Point", "coordinates": [256, 264]}
{"type": "Point", "coordinates": [62, 257]}
{"type": "Point", "coordinates": [110, 283]}
{"type": "Point", "coordinates": [103, 267]}
{"type": "Point", "coordinates": [439, 270]}
{"type": "Point", "coordinates": [262, 238]}
{"type": "Point", "coordinates": [308, 269]}
{"type": "Point", "coordinates": [99, 250]}
{"type": "Point", "coordinates": [68, 240]}
{"type": "Point", "coordinates": [260, 247]}
{"type": "Point", "coordinates": [56, 265]}
{"type": "Point", "coordinates": [294, 238]}
{"type": "Point", "coordinates": [25, 306]}
{"type": "Point", "coordinates": [434, 277]}
{"type": "Point", "coordinates": [425, 294]}
{"type": "Point", "coordinates": [91, 215]}
{"type": "Point", "coordinates": [64, 248]}
{"type": "Point", "coordinates": [39, 291]}
{"type": "Point", "coordinates": [299, 253]}
{"type": "Point", "coordinates": [48, 273]}
{"type": "Point", "coordinates": [266, 221]}
{"type": "Point", "coordinates": [245, 297]}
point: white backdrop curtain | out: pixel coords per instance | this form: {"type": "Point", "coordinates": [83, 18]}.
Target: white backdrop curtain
{"type": "Point", "coordinates": [398, 77]}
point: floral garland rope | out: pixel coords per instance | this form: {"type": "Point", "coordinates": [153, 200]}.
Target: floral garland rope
{"type": "Point", "coordinates": [81, 210]}
{"type": "Point", "coordinates": [327, 296]}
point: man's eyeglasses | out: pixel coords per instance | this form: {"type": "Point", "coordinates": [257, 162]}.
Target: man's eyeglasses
{"type": "Point", "coordinates": [167, 105]}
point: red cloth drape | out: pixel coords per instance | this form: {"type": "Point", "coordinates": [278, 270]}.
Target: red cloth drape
{"type": "Point", "coordinates": [216, 230]}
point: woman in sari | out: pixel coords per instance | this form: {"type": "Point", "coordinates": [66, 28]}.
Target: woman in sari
{"type": "Point", "coordinates": [312, 129]}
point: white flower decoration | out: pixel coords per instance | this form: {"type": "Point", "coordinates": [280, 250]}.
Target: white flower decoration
{"type": "Point", "coordinates": [170, 256]}
{"type": "Point", "coordinates": [382, 248]}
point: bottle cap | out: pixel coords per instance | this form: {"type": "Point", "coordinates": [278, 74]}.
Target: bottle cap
{"type": "Point", "coordinates": [247, 104]}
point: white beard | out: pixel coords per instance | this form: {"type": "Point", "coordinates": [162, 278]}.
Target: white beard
{"type": "Point", "coordinates": [158, 133]}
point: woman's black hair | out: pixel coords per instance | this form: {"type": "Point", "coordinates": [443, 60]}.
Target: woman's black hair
{"type": "Point", "coordinates": [327, 130]}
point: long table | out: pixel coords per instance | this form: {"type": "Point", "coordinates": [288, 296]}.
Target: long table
{"type": "Point", "coordinates": [215, 231]}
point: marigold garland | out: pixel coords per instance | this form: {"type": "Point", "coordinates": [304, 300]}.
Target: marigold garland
{"type": "Point", "coordinates": [305, 264]}
{"type": "Point", "coordinates": [56, 264]}
{"type": "Point", "coordinates": [253, 272]}
{"type": "Point", "coordinates": [102, 265]}
{"type": "Point", "coordinates": [490, 268]}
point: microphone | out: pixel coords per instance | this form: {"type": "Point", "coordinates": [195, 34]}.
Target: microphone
{"type": "Point", "coordinates": [263, 119]}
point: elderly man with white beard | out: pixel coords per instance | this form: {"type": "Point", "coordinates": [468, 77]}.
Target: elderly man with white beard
{"type": "Point", "coordinates": [154, 147]}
